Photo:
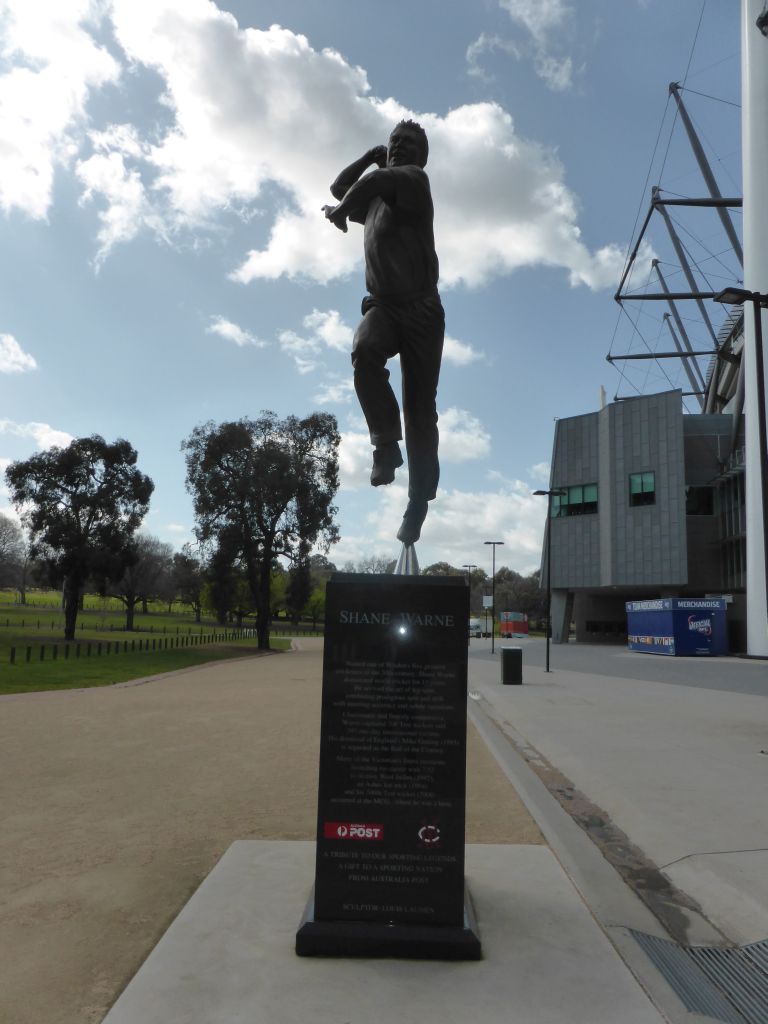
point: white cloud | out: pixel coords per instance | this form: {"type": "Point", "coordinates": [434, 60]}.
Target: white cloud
{"type": "Point", "coordinates": [44, 435]}
{"type": "Point", "coordinates": [335, 390]}
{"type": "Point", "coordinates": [304, 351]}
{"type": "Point", "coordinates": [252, 107]}
{"type": "Point", "coordinates": [176, 528]}
{"type": "Point", "coordinates": [488, 44]}
{"type": "Point", "coordinates": [462, 439]}
{"type": "Point", "coordinates": [355, 460]}
{"type": "Point", "coordinates": [233, 332]}
{"type": "Point", "coordinates": [43, 98]}
{"type": "Point", "coordinates": [540, 471]}
{"type": "Point", "coordinates": [459, 352]}
{"type": "Point", "coordinates": [558, 74]}
{"type": "Point", "coordinates": [108, 174]}
{"type": "Point", "coordinates": [331, 329]}
{"type": "Point", "coordinates": [13, 358]}
{"type": "Point", "coordinates": [328, 330]}
{"type": "Point", "coordinates": [459, 521]}
{"type": "Point", "coordinates": [542, 19]}
{"type": "Point", "coordinates": [538, 16]}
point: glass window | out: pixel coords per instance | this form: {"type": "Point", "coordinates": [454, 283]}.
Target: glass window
{"type": "Point", "coordinates": [577, 500]}
{"type": "Point", "coordinates": [642, 489]}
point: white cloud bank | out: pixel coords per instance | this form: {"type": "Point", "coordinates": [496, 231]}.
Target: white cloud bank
{"type": "Point", "coordinates": [230, 331]}
{"type": "Point", "coordinates": [463, 438]}
{"type": "Point", "coordinates": [43, 434]}
{"type": "Point", "coordinates": [13, 358]}
{"type": "Point", "coordinates": [55, 64]}
{"type": "Point", "coordinates": [460, 521]}
{"type": "Point", "coordinates": [251, 108]}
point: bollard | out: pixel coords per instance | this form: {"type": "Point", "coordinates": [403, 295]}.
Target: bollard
{"type": "Point", "coordinates": [13, 655]}
{"type": "Point", "coordinates": [511, 666]}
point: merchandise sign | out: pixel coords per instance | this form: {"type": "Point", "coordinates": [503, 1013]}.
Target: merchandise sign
{"type": "Point", "coordinates": [678, 626]}
{"type": "Point", "coordinates": [390, 837]}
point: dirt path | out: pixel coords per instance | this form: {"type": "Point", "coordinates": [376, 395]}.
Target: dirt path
{"type": "Point", "coordinates": [118, 801]}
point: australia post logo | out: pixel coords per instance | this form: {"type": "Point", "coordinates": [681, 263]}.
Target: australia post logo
{"type": "Point", "coordinates": [351, 830]}
{"type": "Point", "coordinates": [703, 626]}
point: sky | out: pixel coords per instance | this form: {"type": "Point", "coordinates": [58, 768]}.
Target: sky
{"type": "Point", "coordinates": [164, 260]}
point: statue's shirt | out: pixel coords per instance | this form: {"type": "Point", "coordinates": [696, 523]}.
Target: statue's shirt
{"type": "Point", "coordinates": [400, 259]}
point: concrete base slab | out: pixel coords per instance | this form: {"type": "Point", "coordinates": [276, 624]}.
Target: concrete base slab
{"type": "Point", "coordinates": [228, 958]}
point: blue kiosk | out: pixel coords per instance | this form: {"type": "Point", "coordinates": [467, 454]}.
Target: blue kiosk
{"type": "Point", "coordinates": [677, 626]}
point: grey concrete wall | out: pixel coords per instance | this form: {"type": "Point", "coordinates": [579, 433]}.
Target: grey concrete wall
{"type": "Point", "coordinates": [647, 543]}
{"type": "Point", "coordinates": [576, 539]}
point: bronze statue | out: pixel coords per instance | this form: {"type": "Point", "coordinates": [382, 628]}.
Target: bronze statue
{"type": "Point", "coordinates": [402, 312]}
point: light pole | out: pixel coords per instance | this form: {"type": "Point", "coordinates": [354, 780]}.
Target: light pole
{"type": "Point", "coordinates": [759, 300]}
{"type": "Point", "coordinates": [469, 569]}
{"type": "Point", "coordinates": [494, 544]}
{"type": "Point", "coordinates": [549, 494]}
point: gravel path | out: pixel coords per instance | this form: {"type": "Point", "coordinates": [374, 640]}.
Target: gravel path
{"type": "Point", "coordinates": [118, 801]}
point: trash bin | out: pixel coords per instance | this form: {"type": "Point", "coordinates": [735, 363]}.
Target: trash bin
{"type": "Point", "coordinates": [511, 666]}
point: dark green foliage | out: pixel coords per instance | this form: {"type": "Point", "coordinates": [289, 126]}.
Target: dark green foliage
{"type": "Point", "coordinates": [299, 589]}
{"type": "Point", "coordinates": [261, 489]}
{"type": "Point", "coordinates": [189, 579]}
{"type": "Point", "coordinates": [82, 505]}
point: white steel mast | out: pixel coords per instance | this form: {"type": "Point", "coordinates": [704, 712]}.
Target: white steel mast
{"type": "Point", "coordinates": [754, 143]}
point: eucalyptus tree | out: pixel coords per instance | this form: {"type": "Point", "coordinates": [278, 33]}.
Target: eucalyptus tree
{"type": "Point", "coordinates": [81, 505]}
{"type": "Point", "coordinates": [265, 488]}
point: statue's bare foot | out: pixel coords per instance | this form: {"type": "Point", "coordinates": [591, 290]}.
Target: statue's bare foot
{"type": "Point", "coordinates": [386, 459]}
{"type": "Point", "coordinates": [413, 519]}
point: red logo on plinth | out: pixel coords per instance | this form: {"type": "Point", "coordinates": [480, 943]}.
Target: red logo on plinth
{"type": "Point", "coordinates": [351, 830]}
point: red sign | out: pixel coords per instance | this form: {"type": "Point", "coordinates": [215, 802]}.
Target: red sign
{"type": "Point", "coordinates": [351, 830]}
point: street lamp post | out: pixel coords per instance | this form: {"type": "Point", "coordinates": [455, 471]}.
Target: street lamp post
{"type": "Point", "coordinates": [494, 544]}
{"type": "Point", "coordinates": [469, 569]}
{"type": "Point", "coordinates": [759, 300]}
{"type": "Point", "coordinates": [549, 494]}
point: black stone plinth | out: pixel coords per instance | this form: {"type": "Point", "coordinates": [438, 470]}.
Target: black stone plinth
{"type": "Point", "coordinates": [382, 939]}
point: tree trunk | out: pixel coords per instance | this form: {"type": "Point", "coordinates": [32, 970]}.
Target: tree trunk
{"type": "Point", "coordinates": [262, 600]}
{"type": "Point", "coordinates": [130, 611]}
{"type": "Point", "coordinates": [198, 611]}
{"type": "Point", "coordinates": [144, 606]}
{"type": "Point", "coordinates": [71, 606]}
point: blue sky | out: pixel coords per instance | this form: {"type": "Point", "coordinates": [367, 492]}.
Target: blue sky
{"type": "Point", "coordinates": [164, 260]}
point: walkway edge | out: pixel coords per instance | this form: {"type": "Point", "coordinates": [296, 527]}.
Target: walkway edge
{"type": "Point", "coordinates": [614, 906]}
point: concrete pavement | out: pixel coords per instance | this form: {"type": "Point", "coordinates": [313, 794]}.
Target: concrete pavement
{"type": "Point", "coordinates": [228, 957]}
{"type": "Point", "coordinates": [670, 752]}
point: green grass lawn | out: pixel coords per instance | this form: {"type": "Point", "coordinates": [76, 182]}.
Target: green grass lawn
{"type": "Point", "coordinates": [86, 671]}
{"type": "Point", "coordinates": [40, 623]}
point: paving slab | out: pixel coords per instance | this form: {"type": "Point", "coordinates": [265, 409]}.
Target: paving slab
{"type": "Point", "coordinates": [671, 749]}
{"type": "Point", "coordinates": [228, 958]}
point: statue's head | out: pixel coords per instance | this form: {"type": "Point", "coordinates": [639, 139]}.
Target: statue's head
{"type": "Point", "coordinates": [407, 145]}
